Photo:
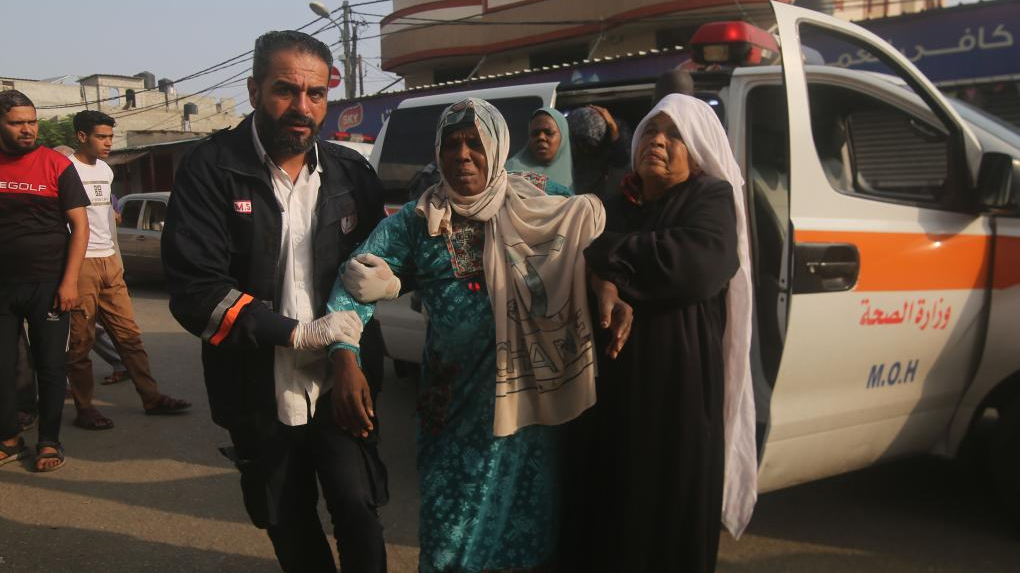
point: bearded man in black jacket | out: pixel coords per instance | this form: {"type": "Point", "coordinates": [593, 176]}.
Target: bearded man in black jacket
{"type": "Point", "coordinates": [259, 221]}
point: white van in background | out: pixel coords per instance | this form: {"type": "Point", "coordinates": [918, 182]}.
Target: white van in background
{"type": "Point", "coordinates": [363, 144]}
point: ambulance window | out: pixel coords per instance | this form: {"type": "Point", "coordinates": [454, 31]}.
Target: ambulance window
{"type": "Point", "coordinates": [874, 134]}
{"type": "Point", "coordinates": [896, 153]}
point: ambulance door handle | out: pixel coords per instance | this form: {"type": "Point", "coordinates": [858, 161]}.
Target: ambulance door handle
{"type": "Point", "coordinates": [832, 269]}
{"type": "Point", "coordinates": [825, 267]}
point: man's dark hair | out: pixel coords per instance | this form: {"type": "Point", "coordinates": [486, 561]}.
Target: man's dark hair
{"type": "Point", "coordinates": [13, 98]}
{"type": "Point", "coordinates": [88, 120]}
{"type": "Point", "coordinates": [271, 42]}
{"type": "Point", "coordinates": [674, 81]}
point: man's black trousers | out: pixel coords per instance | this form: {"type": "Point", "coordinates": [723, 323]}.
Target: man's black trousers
{"type": "Point", "coordinates": [278, 481]}
{"type": "Point", "coordinates": [47, 333]}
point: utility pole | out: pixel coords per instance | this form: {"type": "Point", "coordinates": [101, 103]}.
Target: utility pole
{"type": "Point", "coordinates": [348, 56]}
{"type": "Point", "coordinates": [361, 77]}
{"type": "Point", "coordinates": [355, 60]}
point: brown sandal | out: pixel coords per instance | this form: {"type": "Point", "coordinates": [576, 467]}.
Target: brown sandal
{"type": "Point", "coordinates": [167, 406]}
{"type": "Point", "coordinates": [13, 453]}
{"type": "Point", "coordinates": [40, 455]}
{"type": "Point", "coordinates": [117, 376]}
{"type": "Point", "coordinates": [92, 419]}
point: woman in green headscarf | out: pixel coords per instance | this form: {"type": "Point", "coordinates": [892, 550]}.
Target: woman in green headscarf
{"type": "Point", "coordinates": [548, 149]}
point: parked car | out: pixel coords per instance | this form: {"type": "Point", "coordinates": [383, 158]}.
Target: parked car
{"type": "Point", "coordinates": [139, 234]}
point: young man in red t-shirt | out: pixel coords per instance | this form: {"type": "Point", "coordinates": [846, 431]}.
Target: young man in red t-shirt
{"type": "Point", "coordinates": [40, 197]}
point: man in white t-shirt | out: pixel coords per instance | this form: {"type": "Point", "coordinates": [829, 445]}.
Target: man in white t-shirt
{"type": "Point", "coordinates": [102, 291]}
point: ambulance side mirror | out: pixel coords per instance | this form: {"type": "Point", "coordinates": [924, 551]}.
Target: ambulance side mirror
{"type": "Point", "coordinates": [999, 183]}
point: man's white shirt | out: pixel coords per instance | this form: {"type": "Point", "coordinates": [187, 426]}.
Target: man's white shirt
{"type": "Point", "coordinates": [97, 180]}
{"type": "Point", "coordinates": [300, 375]}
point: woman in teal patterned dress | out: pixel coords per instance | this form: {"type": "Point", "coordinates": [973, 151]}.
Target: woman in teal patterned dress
{"type": "Point", "coordinates": [489, 495]}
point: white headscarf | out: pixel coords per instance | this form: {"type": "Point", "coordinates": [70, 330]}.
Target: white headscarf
{"type": "Point", "coordinates": [709, 149]}
{"type": "Point", "coordinates": [535, 274]}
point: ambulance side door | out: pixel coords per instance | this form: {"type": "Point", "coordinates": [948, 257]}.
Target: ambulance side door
{"type": "Point", "coordinates": [889, 261]}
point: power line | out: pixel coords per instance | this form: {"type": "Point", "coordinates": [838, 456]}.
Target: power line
{"type": "Point", "coordinates": [136, 111]}
{"type": "Point", "coordinates": [226, 64]}
{"type": "Point", "coordinates": [371, 65]}
{"type": "Point", "coordinates": [223, 65]}
{"type": "Point", "coordinates": [207, 116]}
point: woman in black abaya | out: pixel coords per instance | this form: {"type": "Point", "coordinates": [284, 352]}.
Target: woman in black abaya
{"type": "Point", "coordinates": [675, 407]}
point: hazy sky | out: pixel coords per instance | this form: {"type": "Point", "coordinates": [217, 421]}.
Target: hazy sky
{"type": "Point", "coordinates": [172, 38]}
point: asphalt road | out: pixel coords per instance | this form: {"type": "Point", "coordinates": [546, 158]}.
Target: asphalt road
{"type": "Point", "coordinates": [154, 495]}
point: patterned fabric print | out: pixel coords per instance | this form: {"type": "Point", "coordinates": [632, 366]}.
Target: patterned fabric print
{"type": "Point", "coordinates": [433, 402]}
{"type": "Point", "coordinates": [486, 503]}
{"type": "Point", "coordinates": [466, 243]}
{"type": "Point", "coordinates": [542, 182]}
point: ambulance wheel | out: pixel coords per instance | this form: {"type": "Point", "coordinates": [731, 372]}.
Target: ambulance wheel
{"type": "Point", "coordinates": [1005, 458]}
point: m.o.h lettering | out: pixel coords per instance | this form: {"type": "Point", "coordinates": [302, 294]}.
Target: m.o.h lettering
{"type": "Point", "coordinates": [897, 373]}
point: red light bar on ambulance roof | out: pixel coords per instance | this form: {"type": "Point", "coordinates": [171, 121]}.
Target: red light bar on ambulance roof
{"type": "Point", "coordinates": [353, 137]}
{"type": "Point", "coordinates": [734, 43]}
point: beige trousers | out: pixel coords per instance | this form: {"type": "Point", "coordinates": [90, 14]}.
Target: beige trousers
{"type": "Point", "coordinates": [104, 295]}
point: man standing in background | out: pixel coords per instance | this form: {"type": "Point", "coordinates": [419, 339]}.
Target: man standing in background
{"type": "Point", "coordinates": [104, 294]}
{"type": "Point", "coordinates": [103, 346]}
{"type": "Point", "coordinates": [40, 197]}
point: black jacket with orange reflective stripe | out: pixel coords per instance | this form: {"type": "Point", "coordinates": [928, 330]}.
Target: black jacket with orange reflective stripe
{"type": "Point", "coordinates": [221, 251]}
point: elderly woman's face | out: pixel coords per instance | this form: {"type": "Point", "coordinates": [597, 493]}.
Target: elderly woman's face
{"type": "Point", "coordinates": [462, 159]}
{"type": "Point", "coordinates": [662, 155]}
{"type": "Point", "coordinates": [544, 138]}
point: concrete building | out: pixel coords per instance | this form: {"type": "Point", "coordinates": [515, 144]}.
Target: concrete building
{"type": "Point", "coordinates": [430, 41]}
{"type": "Point", "coordinates": [970, 51]}
{"type": "Point", "coordinates": [866, 9]}
{"type": "Point", "coordinates": [145, 110]}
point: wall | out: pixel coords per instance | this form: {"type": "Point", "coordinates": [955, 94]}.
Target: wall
{"type": "Point", "coordinates": [154, 111]}
{"type": "Point", "coordinates": [503, 63]}
{"type": "Point", "coordinates": [142, 138]}
{"type": "Point", "coordinates": [46, 94]}
{"type": "Point", "coordinates": [861, 10]}
{"type": "Point", "coordinates": [618, 44]}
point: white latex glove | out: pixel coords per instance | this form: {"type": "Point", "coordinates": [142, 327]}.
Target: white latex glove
{"type": "Point", "coordinates": [368, 278]}
{"type": "Point", "coordinates": [343, 326]}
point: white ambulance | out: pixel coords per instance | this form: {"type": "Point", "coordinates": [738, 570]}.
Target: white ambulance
{"type": "Point", "coordinates": [885, 238]}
